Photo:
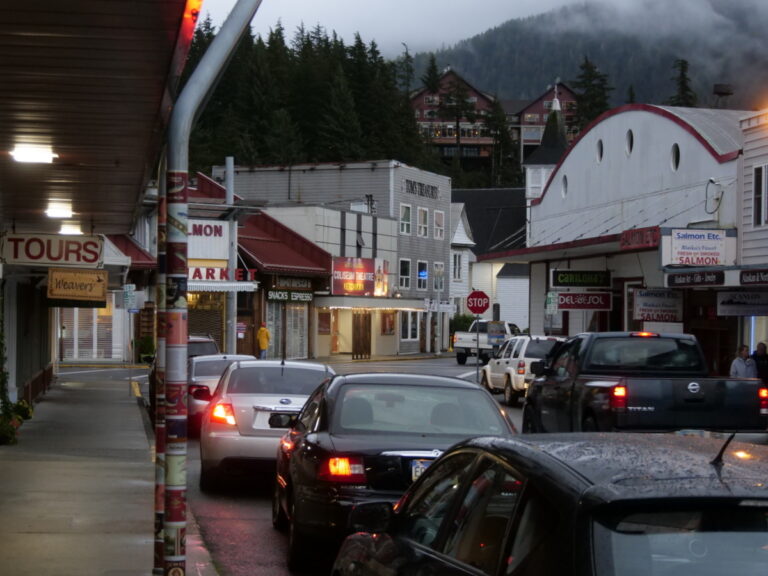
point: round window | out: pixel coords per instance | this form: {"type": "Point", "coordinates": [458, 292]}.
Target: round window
{"type": "Point", "coordinates": [675, 157]}
{"type": "Point", "coordinates": [630, 142]}
{"type": "Point", "coordinates": [564, 187]}
{"type": "Point", "coordinates": [599, 150]}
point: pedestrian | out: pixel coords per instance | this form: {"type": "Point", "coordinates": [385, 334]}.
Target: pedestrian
{"type": "Point", "coordinates": [743, 366]}
{"type": "Point", "coordinates": [761, 362]}
{"type": "Point", "coordinates": [262, 337]}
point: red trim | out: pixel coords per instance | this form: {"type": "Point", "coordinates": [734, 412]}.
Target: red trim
{"type": "Point", "coordinates": [550, 247]}
{"type": "Point", "coordinates": [140, 258]}
{"type": "Point", "coordinates": [721, 158]}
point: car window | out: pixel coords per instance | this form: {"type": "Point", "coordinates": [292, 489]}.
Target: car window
{"type": "Point", "coordinates": [432, 498]}
{"type": "Point", "coordinates": [202, 348]}
{"type": "Point", "coordinates": [404, 409]}
{"type": "Point", "coordinates": [518, 347]}
{"type": "Point", "coordinates": [310, 414]}
{"type": "Point", "coordinates": [539, 348]}
{"type": "Point", "coordinates": [210, 368]}
{"type": "Point", "coordinates": [534, 546]}
{"type": "Point", "coordinates": [645, 353]}
{"type": "Point", "coordinates": [703, 540]}
{"type": "Point", "coordinates": [274, 380]}
{"type": "Point", "coordinates": [478, 526]}
{"type": "Point", "coordinates": [565, 363]}
{"type": "Point", "coordinates": [510, 346]}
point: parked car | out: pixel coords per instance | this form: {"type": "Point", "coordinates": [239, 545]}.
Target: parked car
{"type": "Point", "coordinates": [364, 437]}
{"type": "Point", "coordinates": [235, 431]}
{"type": "Point", "coordinates": [509, 371]}
{"type": "Point", "coordinates": [205, 372]}
{"type": "Point", "coordinates": [490, 333]}
{"type": "Point", "coordinates": [607, 381]}
{"type": "Point", "coordinates": [585, 504]}
{"type": "Point", "coordinates": [197, 345]}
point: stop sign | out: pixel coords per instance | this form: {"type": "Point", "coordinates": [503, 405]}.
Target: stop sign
{"type": "Point", "coordinates": [478, 302]}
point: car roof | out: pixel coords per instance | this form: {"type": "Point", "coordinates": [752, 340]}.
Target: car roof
{"type": "Point", "coordinates": [199, 338]}
{"type": "Point", "coordinates": [255, 363]}
{"type": "Point", "coordinates": [401, 379]}
{"type": "Point", "coordinates": [609, 467]}
{"type": "Point", "coordinates": [214, 357]}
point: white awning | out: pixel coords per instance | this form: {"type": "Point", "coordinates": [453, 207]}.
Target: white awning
{"type": "Point", "coordinates": [213, 286]}
{"type": "Point", "coordinates": [362, 302]}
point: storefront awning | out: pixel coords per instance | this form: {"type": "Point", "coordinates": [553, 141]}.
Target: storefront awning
{"type": "Point", "coordinates": [370, 303]}
{"type": "Point", "coordinates": [272, 255]}
{"type": "Point", "coordinates": [209, 286]}
{"type": "Point", "coordinates": [140, 258]}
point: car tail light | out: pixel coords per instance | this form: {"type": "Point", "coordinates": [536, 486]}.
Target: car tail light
{"type": "Point", "coordinates": [521, 367]}
{"type": "Point", "coordinates": [347, 469]}
{"type": "Point", "coordinates": [223, 414]}
{"type": "Point", "coordinates": [763, 395]}
{"type": "Point", "coordinates": [619, 398]}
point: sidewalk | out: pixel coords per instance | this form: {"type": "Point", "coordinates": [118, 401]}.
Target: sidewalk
{"type": "Point", "coordinates": [77, 491]}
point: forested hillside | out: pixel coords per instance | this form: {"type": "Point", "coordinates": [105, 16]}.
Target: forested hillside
{"type": "Point", "coordinates": [724, 41]}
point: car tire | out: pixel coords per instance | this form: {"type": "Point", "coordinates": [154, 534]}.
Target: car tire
{"type": "Point", "coordinates": [589, 424]}
{"type": "Point", "coordinates": [484, 382]}
{"type": "Point", "coordinates": [530, 422]}
{"type": "Point", "coordinates": [298, 545]}
{"type": "Point", "coordinates": [279, 517]}
{"type": "Point", "coordinates": [461, 359]}
{"type": "Point", "coordinates": [209, 480]}
{"type": "Point", "coordinates": [511, 396]}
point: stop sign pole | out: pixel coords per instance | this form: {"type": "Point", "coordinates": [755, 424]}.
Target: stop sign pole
{"type": "Point", "coordinates": [477, 303]}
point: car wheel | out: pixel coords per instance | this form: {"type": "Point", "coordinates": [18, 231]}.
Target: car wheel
{"type": "Point", "coordinates": [530, 424]}
{"type": "Point", "coordinates": [209, 479]}
{"type": "Point", "coordinates": [279, 517]}
{"type": "Point", "coordinates": [484, 382]}
{"type": "Point", "coordinates": [510, 394]}
{"type": "Point", "coordinates": [298, 551]}
{"type": "Point", "coordinates": [589, 424]}
{"type": "Point", "coordinates": [461, 359]}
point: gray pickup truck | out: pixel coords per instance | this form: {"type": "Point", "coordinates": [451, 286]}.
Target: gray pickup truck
{"type": "Point", "coordinates": [609, 381]}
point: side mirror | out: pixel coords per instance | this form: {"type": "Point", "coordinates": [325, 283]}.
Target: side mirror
{"type": "Point", "coordinates": [283, 420]}
{"type": "Point", "coordinates": [202, 394]}
{"type": "Point", "coordinates": [538, 368]}
{"type": "Point", "coordinates": [370, 517]}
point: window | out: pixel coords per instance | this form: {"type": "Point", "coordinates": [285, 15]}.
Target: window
{"type": "Point", "coordinates": [405, 219]}
{"type": "Point", "coordinates": [422, 223]}
{"type": "Point", "coordinates": [404, 279]}
{"type": "Point", "coordinates": [422, 275]}
{"type": "Point", "coordinates": [599, 150]}
{"type": "Point", "coordinates": [431, 100]}
{"type": "Point", "coordinates": [531, 118]}
{"type": "Point", "coordinates": [409, 325]}
{"type": "Point", "coordinates": [456, 272]}
{"type": "Point", "coordinates": [630, 142]}
{"type": "Point", "coordinates": [439, 276]}
{"type": "Point", "coordinates": [439, 224]}
{"type": "Point", "coordinates": [760, 197]}
{"type": "Point", "coordinates": [675, 157]}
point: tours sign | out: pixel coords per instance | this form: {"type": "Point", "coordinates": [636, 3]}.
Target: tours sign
{"type": "Point", "coordinates": [52, 250]}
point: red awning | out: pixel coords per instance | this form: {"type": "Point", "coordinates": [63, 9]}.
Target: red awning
{"type": "Point", "coordinates": [140, 258]}
{"type": "Point", "coordinates": [272, 255]}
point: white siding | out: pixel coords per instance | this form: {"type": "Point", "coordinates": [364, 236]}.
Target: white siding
{"type": "Point", "coordinates": [512, 294]}
{"type": "Point", "coordinates": [754, 239]}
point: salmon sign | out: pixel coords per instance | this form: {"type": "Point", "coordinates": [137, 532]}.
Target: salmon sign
{"type": "Point", "coordinates": [52, 250]}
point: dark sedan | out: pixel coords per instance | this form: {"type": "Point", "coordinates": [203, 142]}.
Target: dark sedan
{"type": "Point", "coordinates": [363, 437]}
{"type": "Point", "coordinates": [579, 504]}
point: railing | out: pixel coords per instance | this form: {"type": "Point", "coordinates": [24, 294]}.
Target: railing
{"type": "Point", "coordinates": [37, 385]}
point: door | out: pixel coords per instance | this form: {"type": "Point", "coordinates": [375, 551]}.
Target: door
{"type": "Point", "coordinates": [334, 331]}
{"type": "Point", "coordinates": [498, 365]}
{"type": "Point", "coordinates": [556, 390]}
{"type": "Point", "coordinates": [361, 335]}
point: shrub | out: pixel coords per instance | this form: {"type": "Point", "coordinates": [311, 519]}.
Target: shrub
{"type": "Point", "coordinates": [23, 409]}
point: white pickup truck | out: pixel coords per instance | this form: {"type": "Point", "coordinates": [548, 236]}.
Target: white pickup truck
{"type": "Point", "coordinates": [491, 333]}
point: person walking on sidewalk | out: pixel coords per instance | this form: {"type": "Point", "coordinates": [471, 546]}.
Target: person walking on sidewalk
{"type": "Point", "coordinates": [743, 366]}
{"type": "Point", "coordinates": [262, 337]}
{"type": "Point", "coordinates": [761, 362]}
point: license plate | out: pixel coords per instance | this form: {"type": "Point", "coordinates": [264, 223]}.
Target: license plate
{"type": "Point", "coordinates": [418, 467]}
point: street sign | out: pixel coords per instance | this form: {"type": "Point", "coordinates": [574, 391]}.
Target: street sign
{"type": "Point", "coordinates": [478, 302]}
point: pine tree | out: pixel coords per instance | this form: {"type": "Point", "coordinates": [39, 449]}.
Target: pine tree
{"type": "Point", "coordinates": [431, 77]}
{"type": "Point", "coordinates": [592, 92]}
{"type": "Point", "coordinates": [685, 96]}
{"type": "Point", "coordinates": [504, 167]}
{"type": "Point", "coordinates": [405, 71]}
{"type": "Point", "coordinates": [631, 94]}
{"type": "Point", "coordinates": [340, 135]}
{"type": "Point", "coordinates": [455, 106]}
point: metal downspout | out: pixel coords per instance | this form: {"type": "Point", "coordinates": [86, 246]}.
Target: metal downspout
{"type": "Point", "coordinates": [175, 265]}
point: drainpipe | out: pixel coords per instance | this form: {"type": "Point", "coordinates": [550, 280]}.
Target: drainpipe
{"type": "Point", "coordinates": [231, 323]}
{"type": "Point", "coordinates": [175, 327]}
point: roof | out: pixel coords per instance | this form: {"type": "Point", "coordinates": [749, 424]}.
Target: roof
{"type": "Point", "coordinates": [140, 258]}
{"type": "Point", "coordinates": [496, 217]}
{"type": "Point", "coordinates": [553, 145]}
{"type": "Point", "coordinates": [624, 466]}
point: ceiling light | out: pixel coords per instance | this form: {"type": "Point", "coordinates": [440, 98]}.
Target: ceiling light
{"type": "Point", "coordinates": [71, 230]}
{"type": "Point", "coordinates": [59, 210]}
{"type": "Point", "coordinates": [33, 153]}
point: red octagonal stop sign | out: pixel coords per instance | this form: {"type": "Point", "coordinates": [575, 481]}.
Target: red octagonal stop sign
{"type": "Point", "coordinates": [478, 302]}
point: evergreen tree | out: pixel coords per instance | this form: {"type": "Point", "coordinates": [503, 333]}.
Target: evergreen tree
{"type": "Point", "coordinates": [340, 135]}
{"type": "Point", "coordinates": [685, 96]}
{"type": "Point", "coordinates": [282, 141]}
{"type": "Point", "coordinates": [455, 106]}
{"type": "Point", "coordinates": [505, 167]}
{"type": "Point", "coordinates": [431, 77]}
{"type": "Point", "coordinates": [592, 92]}
{"type": "Point", "coordinates": [631, 94]}
{"type": "Point", "coordinates": [405, 71]}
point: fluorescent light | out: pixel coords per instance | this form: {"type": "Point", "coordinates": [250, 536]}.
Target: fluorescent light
{"type": "Point", "coordinates": [59, 210]}
{"type": "Point", "coordinates": [71, 230]}
{"type": "Point", "coordinates": [33, 153]}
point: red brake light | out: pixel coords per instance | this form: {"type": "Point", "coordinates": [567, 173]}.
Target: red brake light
{"type": "Point", "coordinates": [223, 414]}
{"type": "Point", "coordinates": [195, 387]}
{"type": "Point", "coordinates": [619, 398]}
{"type": "Point", "coordinates": [347, 469]}
{"type": "Point", "coordinates": [521, 367]}
{"type": "Point", "coordinates": [763, 395]}
{"type": "Point", "coordinates": [645, 334]}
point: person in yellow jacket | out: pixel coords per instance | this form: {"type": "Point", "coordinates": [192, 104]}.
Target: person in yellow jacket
{"type": "Point", "coordinates": [262, 337]}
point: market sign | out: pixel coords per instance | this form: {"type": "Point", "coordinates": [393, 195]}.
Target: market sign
{"type": "Point", "coordinates": [584, 301]}
{"type": "Point", "coordinates": [742, 303]}
{"type": "Point", "coordinates": [580, 278]}
{"type": "Point", "coordinates": [753, 277]}
{"type": "Point", "coordinates": [360, 277]}
{"type": "Point", "coordinates": [657, 305]}
{"type": "Point", "coordinates": [680, 279]}
{"type": "Point", "coordinates": [81, 285]}
{"type": "Point", "coordinates": [52, 250]}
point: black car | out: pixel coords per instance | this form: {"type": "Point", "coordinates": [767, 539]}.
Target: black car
{"type": "Point", "coordinates": [363, 437]}
{"type": "Point", "coordinates": [583, 504]}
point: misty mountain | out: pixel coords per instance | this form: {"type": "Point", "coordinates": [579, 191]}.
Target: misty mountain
{"type": "Point", "coordinates": [724, 41]}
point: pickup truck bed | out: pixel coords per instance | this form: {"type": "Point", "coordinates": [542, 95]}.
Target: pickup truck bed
{"type": "Point", "coordinates": [659, 383]}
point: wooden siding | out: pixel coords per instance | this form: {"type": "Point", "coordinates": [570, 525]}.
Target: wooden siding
{"type": "Point", "coordinates": [753, 239]}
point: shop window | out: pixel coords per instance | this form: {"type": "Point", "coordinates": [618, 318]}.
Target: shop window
{"type": "Point", "coordinates": [760, 197]}
{"type": "Point", "coordinates": [409, 325]}
{"type": "Point", "coordinates": [422, 275]}
{"type": "Point", "coordinates": [404, 278]}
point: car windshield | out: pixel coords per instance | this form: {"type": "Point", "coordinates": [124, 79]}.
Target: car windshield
{"type": "Point", "coordinates": [210, 368]}
{"type": "Point", "coordinates": [201, 348]}
{"type": "Point", "coordinates": [645, 354]}
{"type": "Point", "coordinates": [539, 348]}
{"type": "Point", "coordinates": [709, 540]}
{"type": "Point", "coordinates": [290, 380]}
{"type": "Point", "coordinates": [390, 408]}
